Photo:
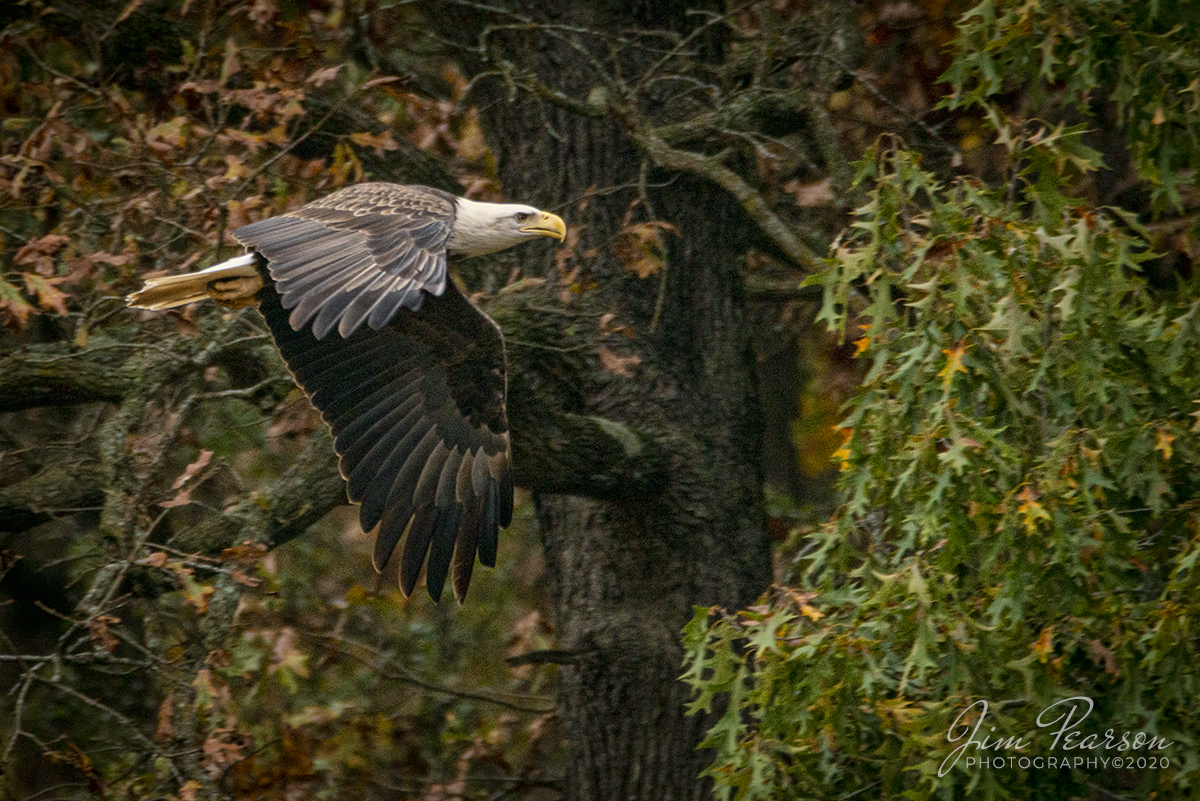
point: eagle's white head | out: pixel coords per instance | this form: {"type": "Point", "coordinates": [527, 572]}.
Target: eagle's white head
{"type": "Point", "coordinates": [481, 228]}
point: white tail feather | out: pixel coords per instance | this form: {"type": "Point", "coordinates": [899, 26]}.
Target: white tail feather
{"type": "Point", "coordinates": [179, 290]}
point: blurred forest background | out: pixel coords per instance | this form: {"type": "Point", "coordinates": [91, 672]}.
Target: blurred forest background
{"type": "Point", "coordinates": [968, 436]}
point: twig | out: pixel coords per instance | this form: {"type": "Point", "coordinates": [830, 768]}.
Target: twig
{"type": "Point", "coordinates": [710, 167]}
{"type": "Point", "coordinates": [128, 724]}
{"type": "Point", "coordinates": [405, 676]}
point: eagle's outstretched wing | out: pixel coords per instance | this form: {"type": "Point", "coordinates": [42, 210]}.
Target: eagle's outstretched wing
{"type": "Point", "coordinates": [415, 401]}
{"type": "Point", "coordinates": [418, 418]}
{"type": "Point", "coordinates": [357, 255]}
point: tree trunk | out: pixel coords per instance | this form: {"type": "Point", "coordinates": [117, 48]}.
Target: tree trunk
{"type": "Point", "coordinates": [626, 573]}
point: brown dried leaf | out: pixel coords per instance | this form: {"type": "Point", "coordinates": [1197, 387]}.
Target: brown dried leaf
{"type": "Point", "coordinates": [195, 594]}
{"type": "Point", "coordinates": [261, 12]}
{"type": "Point", "coordinates": [243, 579]}
{"type": "Point", "coordinates": [470, 145]}
{"type": "Point", "coordinates": [189, 791]}
{"type": "Point", "coordinates": [49, 296]}
{"type": "Point", "coordinates": [156, 559]}
{"type": "Point", "coordinates": [812, 195]}
{"type": "Point", "coordinates": [566, 251]}
{"type": "Point", "coordinates": [42, 246]}
{"type": "Point", "coordinates": [129, 9]}
{"type": "Point", "coordinates": [231, 65]}
{"type": "Point", "coordinates": [234, 168]}
{"type": "Point", "coordinates": [100, 633]}
{"type": "Point", "coordinates": [322, 77]}
{"type": "Point", "coordinates": [182, 498]}
{"type": "Point", "coordinates": [618, 365]}
{"type": "Point", "coordinates": [380, 80]}
{"type": "Point", "coordinates": [167, 136]}
{"type": "Point", "coordinates": [296, 417]}
{"type": "Point", "coordinates": [165, 731]}
{"type": "Point", "coordinates": [523, 284]}
{"type": "Point", "coordinates": [285, 654]}
{"type": "Point", "coordinates": [247, 552]}
{"type": "Point", "coordinates": [80, 761]}
{"type": "Point", "coordinates": [13, 302]}
{"type": "Point", "coordinates": [607, 327]}
{"type": "Point", "coordinates": [220, 751]}
{"type": "Point", "coordinates": [192, 469]}
{"type": "Point", "coordinates": [640, 246]}
{"type": "Point", "coordinates": [379, 142]}
{"type": "Point", "coordinates": [39, 253]}
{"type": "Point", "coordinates": [1105, 657]}
{"type": "Point", "coordinates": [104, 257]}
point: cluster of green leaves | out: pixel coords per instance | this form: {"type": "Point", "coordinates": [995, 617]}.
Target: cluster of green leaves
{"type": "Point", "coordinates": [1020, 481]}
{"type": "Point", "coordinates": [1141, 56]}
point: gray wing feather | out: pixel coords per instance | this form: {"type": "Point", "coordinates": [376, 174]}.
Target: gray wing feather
{"type": "Point", "coordinates": [358, 255]}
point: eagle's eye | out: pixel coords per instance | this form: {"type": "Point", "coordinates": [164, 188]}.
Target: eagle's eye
{"type": "Point", "coordinates": [522, 216]}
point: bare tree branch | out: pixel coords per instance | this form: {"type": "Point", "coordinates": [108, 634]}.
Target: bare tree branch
{"type": "Point", "coordinates": [62, 487]}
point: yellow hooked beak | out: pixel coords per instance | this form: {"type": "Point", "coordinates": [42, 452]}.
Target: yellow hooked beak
{"type": "Point", "coordinates": [546, 224]}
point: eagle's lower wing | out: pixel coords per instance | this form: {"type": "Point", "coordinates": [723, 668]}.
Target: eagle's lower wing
{"type": "Point", "coordinates": [417, 412]}
{"type": "Point", "coordinates": [357, 255]}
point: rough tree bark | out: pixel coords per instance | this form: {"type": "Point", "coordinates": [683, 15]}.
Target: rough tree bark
{"type": "Point", "coordinates": [627, 573]}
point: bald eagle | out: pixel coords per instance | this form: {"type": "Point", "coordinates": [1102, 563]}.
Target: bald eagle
{"type": "Point", "coordinates": [408, 373]}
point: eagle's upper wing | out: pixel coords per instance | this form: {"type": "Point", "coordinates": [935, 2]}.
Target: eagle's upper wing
{"type": "Point", "coordinates": [358, 254]}
{"type": "Point", "coordinates": [417, 412]}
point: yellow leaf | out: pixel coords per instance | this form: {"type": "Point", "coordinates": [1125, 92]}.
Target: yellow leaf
{"type": "Point", "coordinates": [860, 345]}
{"type": "Point", "coordinates": [1044, 645]}
{"type": "Point", "coordinates": [1162, 444]}
{"type": "Point", "coordinates": [235, 168]}
{"type": "Point", "coordinates": [954, 363]}
{"type": "Point", "coordinates": [1031, 510]}
{"type": "Point", "coordinates": [811, 612]}
{"type": "Point", "coordinates": [842, 455]}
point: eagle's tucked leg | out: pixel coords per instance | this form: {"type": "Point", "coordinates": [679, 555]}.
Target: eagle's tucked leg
{"type": "Point", "coordinates": [236, 293]}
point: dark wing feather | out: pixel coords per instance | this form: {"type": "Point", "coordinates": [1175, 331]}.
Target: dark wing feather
{"type": "Point", "coordinates": [417, 413]}
{"type": "Point", "coordinates": [356, 256]}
